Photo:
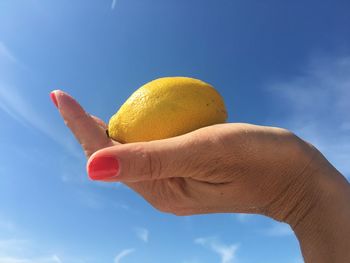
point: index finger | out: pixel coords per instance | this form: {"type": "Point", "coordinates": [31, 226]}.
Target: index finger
{"type": "Point", "coordinates": [90, 134]}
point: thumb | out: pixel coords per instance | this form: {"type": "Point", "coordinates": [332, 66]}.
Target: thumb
{"type": "Point", "coordinates": [135, 162]}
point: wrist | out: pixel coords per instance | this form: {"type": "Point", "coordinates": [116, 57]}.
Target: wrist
{"type": "Point", "coordinates": [322, 219]}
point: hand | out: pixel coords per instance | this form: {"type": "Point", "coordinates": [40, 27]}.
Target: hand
{"type": "Point", "coordinates": [222, 168]}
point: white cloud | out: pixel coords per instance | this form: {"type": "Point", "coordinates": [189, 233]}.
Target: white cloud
{"type": "Point", "coordinates": [142, 234]}
{"type": "Point", "coordinates": [49, 259]}
{"type": "Point", "coordinates": [318, 106]}
{"type": "Point", "coordinates": [13, 246]}
{"type": "Point", "coordinates": [19, 106]}
{"type": "Point", "coordinates": [56, 259]}
{"type": "Point", "coordinates": [121, 206]}
{"type": "Point", "coordinates": [227, 253]}
{"type": "Point", "coordinates": [15, 105]}
{"type": "Point", "coordinates": [6, 54]}
{"type": "Point", "coordinates": [113, 4]}
{"type": "Point", "coordinates": [123, 254]}
{"type": "Point", "coordinates": [279, 230]}
{"type": "Point", "coordinates": [13, 251]}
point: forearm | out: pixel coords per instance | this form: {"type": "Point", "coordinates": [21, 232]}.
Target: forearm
{"type": "Point", "coordinates": [323, 228]}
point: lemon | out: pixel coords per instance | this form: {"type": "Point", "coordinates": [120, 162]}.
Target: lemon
{"type": "Point", "coordinates": [165, 108]}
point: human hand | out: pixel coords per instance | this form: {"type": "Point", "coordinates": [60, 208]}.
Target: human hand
{"type": "Point", "coordinates": [226, 168]}
{"type": "Point", "coordinates": [221, 168]}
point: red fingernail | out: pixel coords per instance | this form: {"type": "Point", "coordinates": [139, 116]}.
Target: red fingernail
{"type": "Point", "coordinates": [53, 98]}
{"type": "Point", "coordinates": [101, 168]}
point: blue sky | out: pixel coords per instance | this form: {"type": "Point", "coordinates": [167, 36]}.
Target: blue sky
{"type": "Point", "coordinates": [283, 64]}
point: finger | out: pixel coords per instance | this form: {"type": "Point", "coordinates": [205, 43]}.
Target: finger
{"type": "Point", "coordinates": [100, 122]}
{"type": "Point", "coordinates": [86, 129]}
{"type": "Point", "coordinates": [136, 162]}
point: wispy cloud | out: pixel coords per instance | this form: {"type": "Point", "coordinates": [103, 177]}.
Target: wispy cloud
{"type": "Point", "coordinates": [123, 254]}
{"type": "Point", "coordinates": [6, 54]}
{"type": "Point", "coordinates": [227, 253]}
{"type": "Point", "coordinates": [21, 108]}
{"type": "Point", "coordinates": [15, 105]}
{"type": "Point", "coordinates": [49, 259]}
{"type": "Point", "coordinates": [10, 249]}
{"type": "Point", "coordinates": [279, 230]}
{"type": "Point", "coordinates": [113, 4]}
{"type": "Point", "coordinates": [142, 234]}
{"type": "Point", "coordinates": [56, 259]}
{"type": "Point", "coordinates": [13, 246]}
{"type": "Point", "coordinates": [121, 206]}
{"type": "Point", "coordinates": [318, 106]}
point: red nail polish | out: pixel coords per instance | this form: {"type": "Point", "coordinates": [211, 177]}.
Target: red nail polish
{"type": "Point", "coordinates": [101, 168]}
{"type": "Point", "coordinates": [53, 98]}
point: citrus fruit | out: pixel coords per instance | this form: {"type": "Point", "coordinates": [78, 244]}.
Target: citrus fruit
{"type": "Point", "coordinates": [165, 108]}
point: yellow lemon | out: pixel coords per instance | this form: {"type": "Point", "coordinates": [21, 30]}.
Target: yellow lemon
{"type": "Point", "coordinates": [165, 108]}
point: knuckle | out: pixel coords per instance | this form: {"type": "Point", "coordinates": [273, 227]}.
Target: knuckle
{"type": "Point", "coordinates": [148, 164]}
{"type": "Point", "coordinates": [154, 165]}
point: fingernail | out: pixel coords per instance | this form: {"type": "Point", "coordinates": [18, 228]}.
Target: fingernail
{"type": "Point", "coordinates": [53, 98]}
{"type": "Point", "coordinates": [101, 168]}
